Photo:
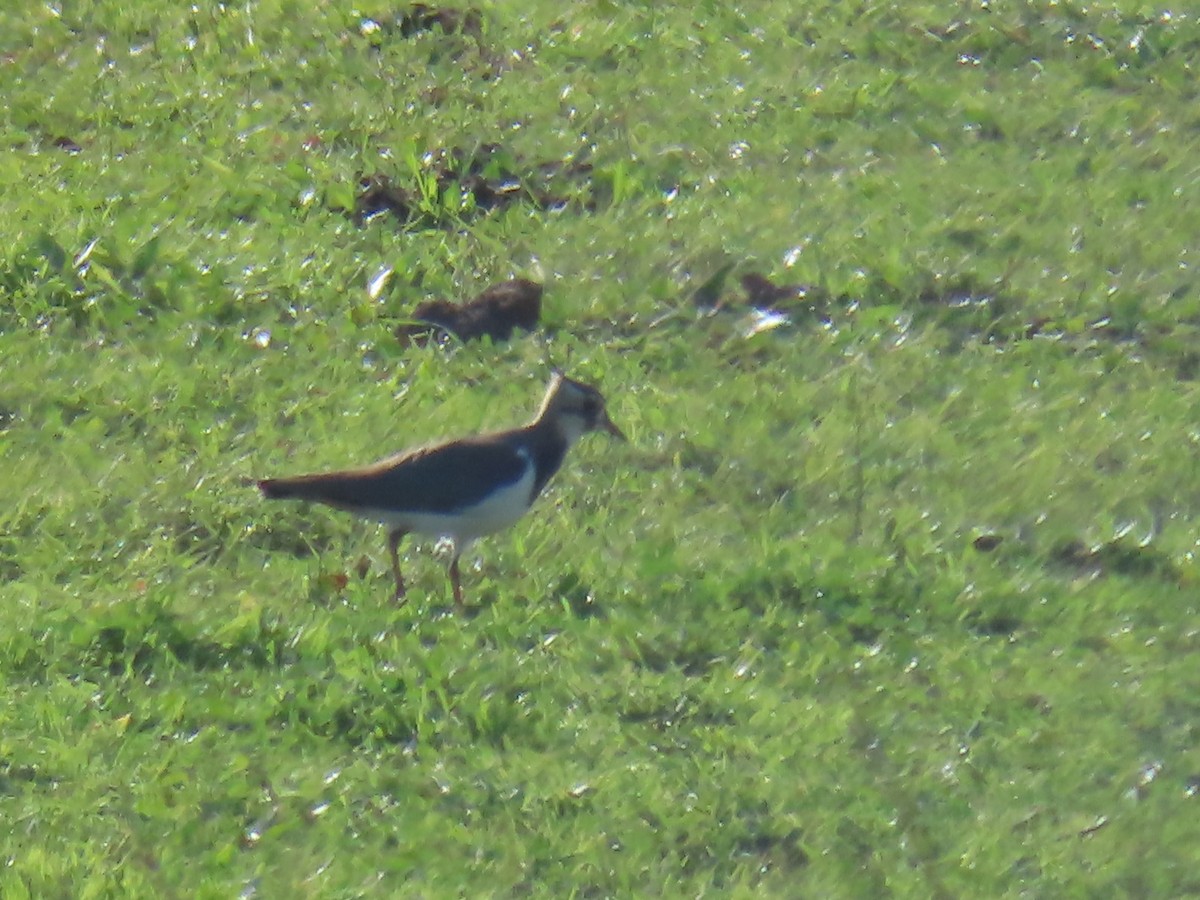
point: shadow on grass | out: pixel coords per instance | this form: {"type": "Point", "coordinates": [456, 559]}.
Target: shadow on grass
{"type": "Point", "coordinates": [138, 638]}
{"type": "Point", "coordinates": [357, 716]}
{"type": "Point", "coordinates": [855, 610]}
{"type": "Point", "coordinates": [141, 637]}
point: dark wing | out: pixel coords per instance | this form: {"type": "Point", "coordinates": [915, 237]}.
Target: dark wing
{"type": "Point", "coordinates": [445, 478]}
{"type": "Point", "coordinates": [453, 476]}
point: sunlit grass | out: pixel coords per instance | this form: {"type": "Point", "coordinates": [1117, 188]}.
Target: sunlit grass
{"type": "Point", "coordinates": [895, 598]}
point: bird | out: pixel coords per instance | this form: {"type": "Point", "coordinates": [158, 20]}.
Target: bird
{"type": "Point", "coordinates": [464, 489]}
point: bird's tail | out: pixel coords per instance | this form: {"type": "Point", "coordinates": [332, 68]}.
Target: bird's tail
{"type": "Point", "coordinates": [339, 489]}
{"type": "Point", "coordinates": [302, 488]}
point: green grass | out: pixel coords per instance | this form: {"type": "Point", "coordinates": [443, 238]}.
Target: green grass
{"type": "Point", "coordinates": [755, 652]}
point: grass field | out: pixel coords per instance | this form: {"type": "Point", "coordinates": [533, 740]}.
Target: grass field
{"type": "Point", "coordinates": [894, 596]}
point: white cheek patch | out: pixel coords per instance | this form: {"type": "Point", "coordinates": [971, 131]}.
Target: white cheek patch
{"type": "Point", "coordinates": [572, 428]}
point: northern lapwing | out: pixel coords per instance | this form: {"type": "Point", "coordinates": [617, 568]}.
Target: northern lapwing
{"type": "Point", "coordinates": [464, 489]}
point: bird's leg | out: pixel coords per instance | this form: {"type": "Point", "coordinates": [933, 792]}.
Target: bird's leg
{"type": "Point", "coordinates": [394, 538]}
{"type": "Point", "coordinates": [456, 582]}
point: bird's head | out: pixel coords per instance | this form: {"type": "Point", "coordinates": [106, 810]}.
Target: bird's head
{"type": "Point", "coordinates": [576, 408]}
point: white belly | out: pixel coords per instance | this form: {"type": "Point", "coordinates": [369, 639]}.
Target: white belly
{"type": "Point", "coordinates": [498, 511]}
